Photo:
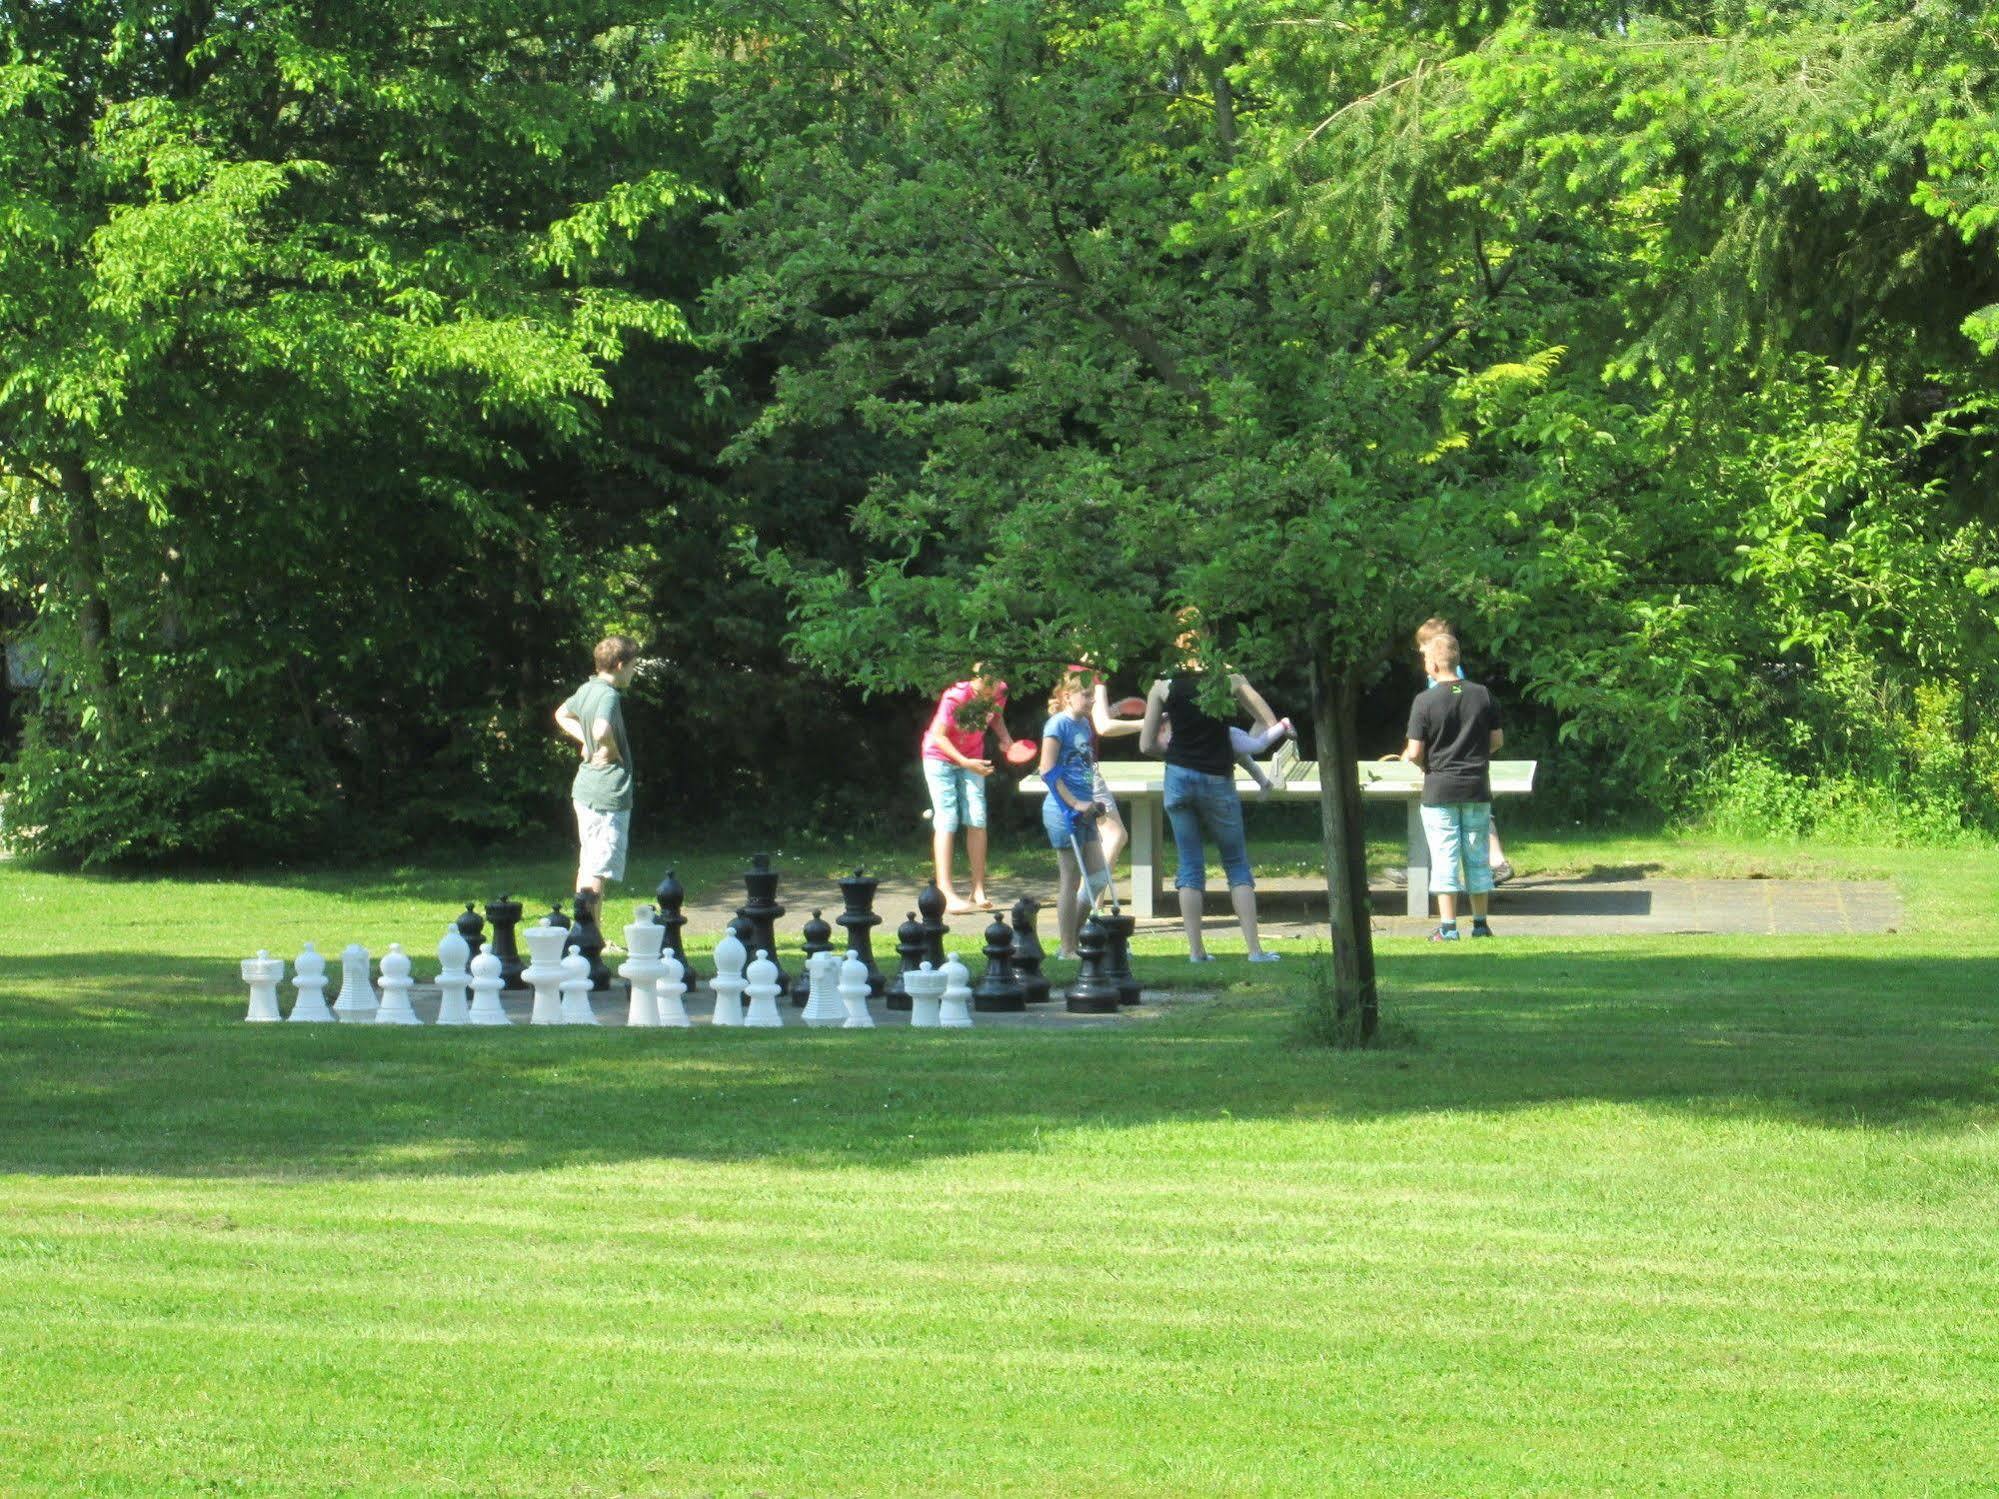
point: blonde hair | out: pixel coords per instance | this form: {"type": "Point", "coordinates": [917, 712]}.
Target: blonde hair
{"type": "Point", "coordinates": [1432, 627]}
{"type": "Point", "coordinates": [1072, 681]}
{"type": "Point", "coordinates": [1441, 649]}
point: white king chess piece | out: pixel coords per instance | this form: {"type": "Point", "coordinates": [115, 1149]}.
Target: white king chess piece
{"type": "Point", "coordinates": [309, 978]}
{"type": "Point", "coordinates": [926, 993]}
{"type": "Point", "coordinates": [642, 970]}
{"type": "Point", "coordinates": [544, 972]}
{"type": "Point", "coordinates": [356, 1000]}
{"type": "Point", "coordinates": [728, 981]}
{"type": "Point", "coordinates": [955, 1014]}
{"type": "Point", "coordinates": [452, 979]}
{"type": "Point", "coordinates": [576, 990]}
{"type": "Point", "coordinates": [763, 989]}
{"type": "Point", "coordinates": [396, 986]}
{"type": "Point", "coordinates": [263, 974]}
{"type": "Point", "coordinates": [486, 986]}
{"type": "Point", "coordinates": [854, 993]}
{"type": "Point", "coordinates": [822, 996]}
{"type": "Point", "coordinates": [668, 991]}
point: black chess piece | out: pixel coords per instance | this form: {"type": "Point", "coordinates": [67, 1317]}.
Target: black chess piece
{"type": "Point", "coordinates": [472, 929]}
{"type": "Point", "coordinates": [1117, 959]}
{"type": "Point", "coordinates": [818, 939]}
{"type": "Point", "coordinates": [555, 917]}
{"type": "Point", "coordinates": [910, 952]}
{"type": "Point", "coordinates": [505, 915]}
{"type": "Point", "coordinates": [998, 990]}
{"type": "Point", "coordinates": [667, 901]}
{"type": "Point", "coordinates": [587, 937]}
{"type": "Point", "coordinates": [761, 910]}
{"type": "Point", "coordinates": [1094, 992]}
{"type": "Point", "coordinates": [930, 907]}
{"type": "Point", "coordinates": [1027, 951]}
{"type": "Point", "coordinates": [858, 920]}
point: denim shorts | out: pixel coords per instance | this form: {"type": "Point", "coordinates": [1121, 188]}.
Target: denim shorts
{"type": "Point", "coordinates": [1459, 834]}
{"type": "Point", "coordinates": [1204, 806]}
{"type": "Point", "coordinates": [957, 795]}
{"type": "Point", "coordinates": [1055, 822]}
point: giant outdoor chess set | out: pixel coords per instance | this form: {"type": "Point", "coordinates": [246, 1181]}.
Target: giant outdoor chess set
{"type": "Point", "coordinates": [747, 983]}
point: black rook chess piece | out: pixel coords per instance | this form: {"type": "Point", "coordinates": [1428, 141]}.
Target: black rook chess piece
{"type": "Point", "coordinates": [930, 906]}
{"type": "Point", "coordinates": [587, 937]}
{"type": "Point", "coordinates": [858, 920]}
{"type": "Point", "coordinates": [998, 991]}
{"type": "Point", "coordinates": [1027, 953]}
{"type": "Point", "coordinates": [761, 911]}
{"type": "Point", "coordinates": [1117, 960]}
{"type": "Point", "coordinates": [667, 901]}
{"type": "Point", "coordinates": [1094, 992]}
{"type": "Point", "coordinates": [818, 939]}
{"type": "Point", "coordinates": [910, 951]}
{"type": "Point", "coordinates": [472, 929]}
{"type": "Point", "coordinates": [505, 915]}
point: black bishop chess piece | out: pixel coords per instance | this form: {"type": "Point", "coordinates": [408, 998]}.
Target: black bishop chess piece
{"type": "Point", "coordinates": [930, 907]}
{"type": "Point", "coordinates": [505, 916]}
{"type": "Point", "coordinates": [1027, 952]}
{"type": "Point", "coordinates": [587, 937]}
{"type": "Point", "coordinates": [999, 991]}
{"type": "Point", "coordinates": [1095, 992]}
{"type": "Point", "coordinates": [1117, 959]}
{"type": "Point", "coordinates": [818, 939]}
{"type": "Point", "coordinates": [859, 920]}
{"type": "Point", "coordinates": [472, 929]}
{"type": "Point", "coordinates": [667, 901]}
{"type": "Point", "coordinates": [761, 911]}
{"type": "Point", "coordinates": [910, 951]}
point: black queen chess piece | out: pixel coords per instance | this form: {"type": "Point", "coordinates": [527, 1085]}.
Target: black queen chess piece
{"type": "Point", "coordinates": [999, 991]}
{"type": "Point", "coordinates": [1118, 927]}
{"type": "Point", "coordinates": [761, 911]}
{"type": "Point", "coordinates": [818, 939]}
{"type": "Point", "coordinates": [504, 915]}
{"type": "Point", "coordinates": [1094, 992]}
{"type": "Point", "coordinates": [909, 950]}
{"type": "Point", "coordinates": [858, 920]}
{"type": "Point", "coordinates": [667, 901]}
{"type": "Point", "coordinates": [1027, 952]}
{"type": "Point", "coordinates": [472, 929]}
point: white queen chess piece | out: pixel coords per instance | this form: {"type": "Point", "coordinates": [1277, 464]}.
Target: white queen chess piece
{"type": "Point", "coordinates": [486, 986]}
{"type": "Point", "coordinates": [854, 993]}
{"type": "Point", "coordinates": [396, 986]}
{"type": "Point", "coordinates": [452, 979]}
{"type": "Point", "coordinates": [728, 981]}
{"type": "Point", "coordinates": [576, 989]}
{"type": "Point", "coordinates": [926, 993]}
{"type": "Point", "coordinates": [642, 969]}
{"type": "Point", "coordinates": [309, 978]}
{"type": "Point", "coordinates": [668, 990]}
{"type": "Point", "coordinates": [356, 1000]}
{"type": "Point", "coordinates": [544, 972]}
{"type": "Point", "coordinates": [955, 1014]}
{"type": "Point", "coordinates": [263, 974]}
{"type": "Point", "coordinates": [822, 995]}
{"type": "Point", "coordinates": [763, 991]}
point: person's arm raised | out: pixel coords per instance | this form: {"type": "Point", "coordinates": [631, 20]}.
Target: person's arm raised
{"type": "Point", "coordinates": [1155, 709]}
{"type": "Point", "coordinates": [1251, 699]}
{"type": "Point", "coordinates": [1106, 726]}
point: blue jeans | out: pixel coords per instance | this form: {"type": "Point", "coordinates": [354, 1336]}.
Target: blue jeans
{"type": "Point", "coordinates": [957, 795]}
{"type": "Point", "coordinates": [1459, 833]}
{"type": "Point", "coordinates": [1201, 805]}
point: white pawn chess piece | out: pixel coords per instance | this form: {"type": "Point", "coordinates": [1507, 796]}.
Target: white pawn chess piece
{"type": "Point", "coordinates": [854, 993]}
{"type": "Point", "coordinates": [955, 1014]}
{"type": "Point", "coordinates": [822, 996]}
{"type": "Point", "coordinates": [452, 979]}
{"type": "Point", "coordinates": [544, 972]}
{"type": "Point", "coordinates": [356, 1000]}
{"type": "Point", "coordinates": [486, 986]}
{"type": "Point", "coordinates": [728, 981]}
{"type": "Point", "coordinates": [309, 978]}
{"type": "Point", "coordinates": [576, 990]}
{"type": "Point", "coordinates": [642, 970]}
{"type": "Point", "coordinates": [263, 974]}
{"type": "Point", "coordinates": [926, 993]}
{"type": "Point", "coordinates": [396, 986]}
{"type": "Point", "coordinates": [669, 988]}
{"type": "Point", "coordinates": [763, 990]}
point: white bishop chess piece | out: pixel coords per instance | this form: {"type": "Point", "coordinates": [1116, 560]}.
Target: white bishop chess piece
{"type": "Point", "coordinates": [486, 986]}
{"type": "Point", "coordinates": [728, 981]}
{"type": "Point", "coordinates": [763, 990]}
{"type": "Point", "coordinates": [263, 974]}
{"type": "Point", "coordinates": [955, 1014]}
{"type": "Point", "coordinates": [822, 995]}
{"type": "Point", "coordinates": [668, 990]}
{"type": "Point", "coordinates": [642, 969]}
{"type": "Point", "coordinates": [356, 1000]}
{"type": "Point", "coordinates": [309, 978]}
{"type": "Point", "coordinates": [926, 993]}
{"type": "Point", "coordinates": [452, 979]}
{"type": "Point", "coordinates": [396, 986]}
{"type": "Point", "coordinates": [544, 972]}
{"type": "Point", "coordinates": [576, 989]}
{"type": "Point", "coordinates": [854, 993]}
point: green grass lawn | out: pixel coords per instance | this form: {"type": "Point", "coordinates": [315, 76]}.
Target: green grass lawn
{"type": "Point", "coordinates": [1624, 1215]}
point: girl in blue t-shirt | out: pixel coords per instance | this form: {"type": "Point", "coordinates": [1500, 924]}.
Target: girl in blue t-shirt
{"type": "Point", "coordinates": [1069, 811]}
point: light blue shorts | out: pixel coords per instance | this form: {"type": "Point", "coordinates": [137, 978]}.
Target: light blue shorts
{"type": "Point", "coordinates": [957, 796]}
{"type": "Point", "coordinates": [1460, 838]}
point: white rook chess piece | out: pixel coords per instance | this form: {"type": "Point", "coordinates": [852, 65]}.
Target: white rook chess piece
{"type": "Point", "coordinates": [763, 1013]}
{"type": "Point", "coordinates": [486, 986]}
{"type": "Point", "coordinates": [396, 985]}
{"type": "Point", "coordinates": [728, 981]}
{"type": "Point", "coordinates": [263, 974]}
{"type": "Point", "coordinates": [955, 1014]}
{"type": "Point", "coordinates": [669, 988]}
{"type": "Point", "coordinates": [576, 989]}
{"type": "Point", "coordinates": [309, 978]}
{"type": "Point", "coordinates": [854, 993]}
{"type": "Point", "coordinates": [356, 1000]}
{"type": "Point", "coordinates": [452, 979]}
{"type": "Point", "coordinates": [544, 972]}
{"type": "Point", "coordinates": [643, 969]}
{"type": "Point", "coordinates": [822, 996]}
{"type": "Point", "coordinates": [926, 993]}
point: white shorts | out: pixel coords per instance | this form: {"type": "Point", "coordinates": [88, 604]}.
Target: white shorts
{"type": "Point", "coordinates": [603, 837]}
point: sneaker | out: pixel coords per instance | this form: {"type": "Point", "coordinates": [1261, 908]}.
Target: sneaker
{"type": "Point", "coordinates": [1203, 957]}
{"type": "Point", "coordinates": [1502, 872]}
{"type": "Point", "coordinates": [1266, 956]}
{"type": "Point", "coordinates": [1443, 935]}
{"type": "Point", "coordinates": [1480, 929]}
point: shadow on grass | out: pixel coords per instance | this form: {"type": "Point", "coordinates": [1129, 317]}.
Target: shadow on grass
{"type": "Point", "coordinates": [142, 1083]}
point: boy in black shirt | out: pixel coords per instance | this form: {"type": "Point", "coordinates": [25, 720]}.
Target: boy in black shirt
{"type": "Point", "coordinates": [1453, 731]}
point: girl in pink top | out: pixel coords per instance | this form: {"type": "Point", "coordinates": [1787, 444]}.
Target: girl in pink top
{"type": "Point", "coordinates": [955, 768]}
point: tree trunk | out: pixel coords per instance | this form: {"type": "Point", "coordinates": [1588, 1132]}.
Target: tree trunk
{"type": "Point", "coordinates": [86, 581]}
{"type": "Point", "coordinates": [1344, 830]}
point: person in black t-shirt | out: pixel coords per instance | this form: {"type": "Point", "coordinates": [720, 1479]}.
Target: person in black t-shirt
{"type": "Point", "coordinates": [1453, 731]}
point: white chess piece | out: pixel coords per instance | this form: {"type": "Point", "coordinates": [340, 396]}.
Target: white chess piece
{"type": "Point", "coordinates": [544, 972]}
{"type": "Point", "coordinates": [728, 981]}
{"type": "Point", "coordinates": [309, 978]}
{"type": "Point", "coordinates": [486, 986]}
{"type": "Point", "coordinates": [576, 990]}
{"type": "Point", "coordinates": [822, 997]}
{"type": "Point", "coordinates": [955, 1014]}
{"type": "Point", "coordinates": [763, 990]}
{"type": "Point", "coordinates": [263, 974]}
{"type": "Point", "coordinates": [667, 991]}
{"type": "Point", "coordinates": [356, 1000]}
{"type": "Point", "coordinates": [396, 986]}
{"type": "Point", "coordinates": [642, 970]}
{"type": "Point", "coordinates": [926, 992]}
{"type": "Point", "coordinates": [452, 978]}
{"type": "Point", "coordinates": [854, 993]}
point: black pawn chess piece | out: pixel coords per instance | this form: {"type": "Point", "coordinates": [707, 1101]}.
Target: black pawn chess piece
{"type": "Point", "coordinates": [588, 938]}
{"type": "Point", "coordinates": [1094, 992]}
{"type": "Point", "coordinates": [505, 915]}
{"type": "Point", "coordinates": [761, 910]}
{"type": "Point", "coordinates": [472, 929]}
{"type": "Point", "coordinates": [1027, 951]}
{"type": "Point", "coordinates": [818, 939]}
{"type": "Point", "coordinates": [930, 907]}
{"type": "Point", "coordinates": [1117, 959]}
{"type": "Point", "coordinates": [998, 991]}
{"type": "Point", "coordinates": [909, 951]}
{"type": "Point", "coordinates": [556, 917]}
{"type": "Point", "coordinates": [667, 901]}
{"type": "Point", "coordinates": [859, 920]}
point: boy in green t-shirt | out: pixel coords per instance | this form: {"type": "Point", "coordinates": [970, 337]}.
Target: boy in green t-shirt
{"type": "Point", "coordinates": [594, 716]}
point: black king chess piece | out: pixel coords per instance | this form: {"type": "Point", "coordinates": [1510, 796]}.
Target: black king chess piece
{"type": "Point", "coordinates": [930, 907]}
{"type": "Point", "coordinates": [910, 952]}
{"type": "Point", "coordinates": [1094, 992]}
{"type": "Point", "coordinates": [818, 939]}
{"type": "Point", "coordinates": [667, 901]}
{"type": "Point", "coordinates": [761, 911]}
{"type": "Point", "coordinates": [587, 937]}
{"type": "Point", "coordinates": [1117, 960]}
{"type": "Point", "coordinates": [1027, 952]}
{"type": "Point", "coordinates": [858, 920]}
{"type": "Point", "coordinates": [998, 991]}
{"type": "Point", "coordinates": [472, 929]}
{"type": "Point", "coordinates": [505, 915]}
